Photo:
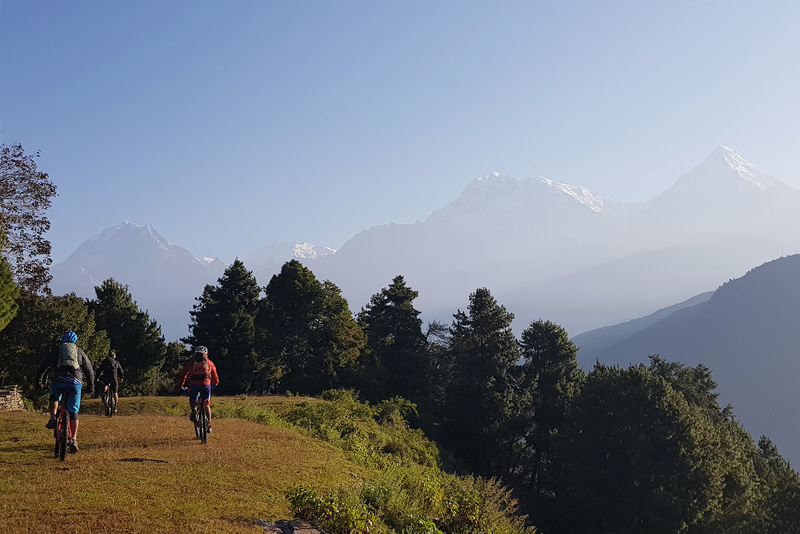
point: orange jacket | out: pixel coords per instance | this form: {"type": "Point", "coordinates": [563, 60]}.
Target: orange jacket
{"type": "Point", "coordinates": [211, 379]}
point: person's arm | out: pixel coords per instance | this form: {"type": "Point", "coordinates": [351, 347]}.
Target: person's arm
{"type": "Point", "coordinates": [214, 377]}
{"type": "Point", "coordinates": [182, 376]}
{"type": "Point", "coordinates": [121, 373]}
{"type": "Point", "coordinates": [88, 370]}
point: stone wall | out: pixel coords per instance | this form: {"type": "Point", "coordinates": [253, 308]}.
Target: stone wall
{"type": "Point", "coordinates": [11, 399]}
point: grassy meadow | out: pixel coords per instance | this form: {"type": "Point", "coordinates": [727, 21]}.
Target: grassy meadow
{"type": "Point", "coordinates": [143, 471]}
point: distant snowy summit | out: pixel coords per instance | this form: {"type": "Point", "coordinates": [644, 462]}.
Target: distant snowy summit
{"type": "Point", "coordinates": [280, 252]}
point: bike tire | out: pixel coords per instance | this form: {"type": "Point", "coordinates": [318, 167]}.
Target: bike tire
{"type": "Point", "coordinates": [63, 432]}
{"type": "Point", "coordinates": [108, 401]}
{"type": "Point", "coordinates": [203, 425]}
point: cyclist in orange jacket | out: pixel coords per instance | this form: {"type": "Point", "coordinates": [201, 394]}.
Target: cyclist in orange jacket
{"type": "Point", "coordinates": [201, 374]}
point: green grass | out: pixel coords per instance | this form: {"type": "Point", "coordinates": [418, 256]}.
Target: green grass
{"type": "Point", "coordinates": [241, 475]}
{"type": "Point", "coordinates": [344, 463]}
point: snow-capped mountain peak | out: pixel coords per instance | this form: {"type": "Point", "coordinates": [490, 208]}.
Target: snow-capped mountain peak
{"type": "Point", "coordinates": [581, 194]}
{"type": "Point", "coordinates": [722, 173]}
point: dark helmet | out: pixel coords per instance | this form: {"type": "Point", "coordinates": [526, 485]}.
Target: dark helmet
{"type": "Point", "coordinates": [200, 353]}
{"type": "Point", "coordinates": [69, 337]}
{"type": "Point", "coordinates": [112, 355]}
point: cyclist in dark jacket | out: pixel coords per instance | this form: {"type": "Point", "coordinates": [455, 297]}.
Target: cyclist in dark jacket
{"type": "Point", "coordinates": [70, 365]}
{"type": "Point", "coordinates": [110, 374]}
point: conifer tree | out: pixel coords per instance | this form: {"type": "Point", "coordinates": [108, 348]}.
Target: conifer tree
{"type": "Point", "coordinates": [549, 379]}
{"type": "Point", "coordinates": [223, 320]}
{"type": "Point", "coordinates": [307, 333]}
{"type": "Point", "coordinates": [135, 338]}
{"type": "Point", "coordinates": [480, 398]}
{"type": "Point", "coordinates": [394, 360]}
{"type": "Point", "coordinates": [9, 293]}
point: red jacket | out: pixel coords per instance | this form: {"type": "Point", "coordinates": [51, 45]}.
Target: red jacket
{"type": "Point", "coordinates": [205, 379]}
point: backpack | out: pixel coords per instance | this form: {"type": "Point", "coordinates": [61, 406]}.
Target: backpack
{"type": "Point", "coordinates": [201, 369]}
{"type": "Point", "coordinates": [68, 356]}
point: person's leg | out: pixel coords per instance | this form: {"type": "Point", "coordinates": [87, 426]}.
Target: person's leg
{"type": "Point", "coordinates": [115, 385]}
{"type": "Point", "coordinates": [192, 400]}
{"type": "Point", "coordinates": [73, 401]}
{"type": "Point", "coordinates": [205, 396]}
{"type": "Point", "coordinates": [55, 395]}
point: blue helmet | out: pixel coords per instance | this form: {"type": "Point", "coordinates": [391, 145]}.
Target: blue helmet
{"type": "Point", "coordinates": [69, 337]}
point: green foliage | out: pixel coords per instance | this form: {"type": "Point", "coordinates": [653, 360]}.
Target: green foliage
{"type": "Point", "coordinates": [9, 293]}
{"type": "Point", "coordinates": [372, 435]}
{"type": "Point", "coordinates": [25, 194]}
{"type": "Point", "coordinates": [224, 321]}
{"type": "Point", "coordinates": [412, 500]}
{"type": "Point", "coordinates": [480, 396]}
{"type": "Point", "coordinates": [394, 360]}
{"type": "Point", "coordinates": [307, 333]}
{"type": "Point", "coordinates": [135, 338]}
{"type": "Point", "coordinates": [549, 378]}
{"type": "Point", "coordinates": [34, 335]}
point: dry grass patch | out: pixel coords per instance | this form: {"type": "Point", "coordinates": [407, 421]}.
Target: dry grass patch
{"type": "Point", "coordinates": [147, 473]}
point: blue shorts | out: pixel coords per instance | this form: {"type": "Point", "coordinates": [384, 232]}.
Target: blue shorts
{"type": "Point", "coordinates": [203, 391]}
{"type": "Point", "coordinates": [71, 393]}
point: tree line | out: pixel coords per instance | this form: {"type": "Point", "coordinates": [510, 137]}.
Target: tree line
{"type": "Point", "coordinates": [646, 448]}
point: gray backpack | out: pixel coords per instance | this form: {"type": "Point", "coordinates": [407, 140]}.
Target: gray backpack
{"type": "Point", "coordinates": [68, 356]}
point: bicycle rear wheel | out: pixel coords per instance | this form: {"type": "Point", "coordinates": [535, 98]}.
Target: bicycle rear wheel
{"type": "Point", "coordinates": [196, 413]}
{"type": "Point", "coordinates": [203, 424]}
{"type": "Point", "coordinates": [62, 433]}
{"type": "Point", "coordinates": [108, 401]}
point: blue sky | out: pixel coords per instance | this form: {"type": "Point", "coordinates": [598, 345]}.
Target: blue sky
{"type": "Point", "coordinates": [231, 125]}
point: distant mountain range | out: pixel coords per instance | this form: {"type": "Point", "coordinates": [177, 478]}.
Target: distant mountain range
{"type": "Point", "coordinates": [544, 249]}
{"type": "Point", "coordinates": [747, 332]}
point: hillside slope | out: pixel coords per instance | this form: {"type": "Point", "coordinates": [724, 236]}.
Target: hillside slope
{"type": "Point", "coordinates": [748, 333]}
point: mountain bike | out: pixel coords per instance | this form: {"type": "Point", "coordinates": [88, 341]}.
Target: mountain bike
{"type": "Point", "coordinates": [109, 401]}
{"type": "Point", "coordinates": [61, 431]}
{"type": "Point", "coordinates": [200, 422]}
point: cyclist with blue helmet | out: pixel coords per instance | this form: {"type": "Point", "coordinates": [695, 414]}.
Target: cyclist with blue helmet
{"type": "Point", "coordinates": [70, 366]}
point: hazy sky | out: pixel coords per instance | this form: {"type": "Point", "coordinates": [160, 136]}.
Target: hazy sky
{"type": "Point", "coordinates": [231, 125]}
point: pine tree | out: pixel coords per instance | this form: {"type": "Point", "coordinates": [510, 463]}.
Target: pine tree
{"type": "Point", "coordinates": [480, 398]}
{"type": "Point", "coordinates": [394, 362]}
{"type": "Point", "coordinates": [135, 338]}
{"type": "Point", "coordinates": [223, 320]}
{"type": "Point", "coordinates": [549, 379]}
{"type": "Point", "coordinates": [9, 293]}
{"type": "Point", "coordinates": [307, 333]}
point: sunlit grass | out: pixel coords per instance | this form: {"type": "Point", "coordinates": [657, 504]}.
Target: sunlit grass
{"type": "Point", "coordinates": [143, 471]}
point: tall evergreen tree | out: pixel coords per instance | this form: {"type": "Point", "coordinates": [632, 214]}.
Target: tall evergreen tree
{"type": "Point", "coordinates": [394, 361]}
{"type": "Point", "coordinates": [307, 333]}
{"type": "Point", "coordinates": [25, 194]}
{"type": "Point", "coordinates": [135, 337]}
{"type": "Point", "coordinates": [549, 379]}
{"type": "Point", "coordinates": [224, 321]}
{"type": "Point", "coordinates": [480, 397]}
{"type": "Point", "coordinates": [9, 293]}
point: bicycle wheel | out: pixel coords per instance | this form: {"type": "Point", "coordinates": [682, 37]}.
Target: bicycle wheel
{"type": "Point", "coordinates": [63, 432]}
{"type": "Point", "coordinates": [108, 400]}
{"type": "Point", "coordinates": [196, 423]}
{"type": "Point", "coordinates": [203, 424]}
